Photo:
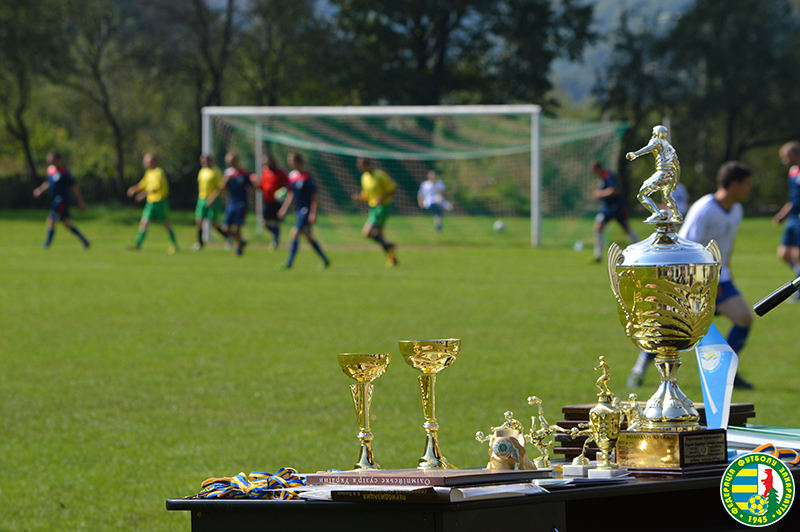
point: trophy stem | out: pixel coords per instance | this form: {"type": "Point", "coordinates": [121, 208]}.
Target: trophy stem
{"type": "Point", "coordinates": [362, 396]}
{"type": "Point", "coordinates": [432, 457]}
{"type": "Point", "coordinates": [669, 409]}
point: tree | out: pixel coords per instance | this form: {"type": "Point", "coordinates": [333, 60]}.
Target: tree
{"type": "Point", "coordinates": [738, 69]}
{"type": "Point", "coordinates": [280, 51]}
{"type": "Point", "coordinates": [188, 41]}
{"type": "Point", "coordinates": [632, 87]}
{"type": "Point", "coordinates": [98, 56]}
{"type": "Point", "coordinates": [413, 52]}
{"type": "Point", "coordinates": [32, 46]}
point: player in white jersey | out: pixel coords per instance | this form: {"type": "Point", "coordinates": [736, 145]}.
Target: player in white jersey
{"type": "Point", "coordinates": [717, 217]}
{"type": "Point", "coordinates": [431, 197]}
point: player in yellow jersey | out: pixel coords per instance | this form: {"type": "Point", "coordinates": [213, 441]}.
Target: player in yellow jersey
{"type": "Point", "coordinates": [209, 180]}
{"type": "Point", "coordinates": [377, 189]}
{"type": "Point", "coordinates": [155, 188]}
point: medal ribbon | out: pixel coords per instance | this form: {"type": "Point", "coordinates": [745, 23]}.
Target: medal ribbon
{"type": "Point", "coordinates": [257, 485]}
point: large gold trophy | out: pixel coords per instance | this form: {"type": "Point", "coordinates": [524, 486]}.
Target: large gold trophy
{"type": "Point", "coordinates": [666, 289]}
{"type": "Point", "coordinates": [430, 357]}
{"type": "Point", "coordinates": [364, 368]}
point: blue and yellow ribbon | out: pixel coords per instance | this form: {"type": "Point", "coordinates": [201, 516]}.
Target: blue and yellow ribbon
{"type": "Point", "coordinates": [787, 456]}
{"type": "Point", "coordinates": [281, 485]}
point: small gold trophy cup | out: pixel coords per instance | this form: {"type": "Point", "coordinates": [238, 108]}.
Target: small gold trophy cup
{"type": "Point", "coordinates": [430, 357]}
{"type": "Point", "coordinates": [364, 368]}
{"type": "Point", "coordinates": [666, 288]}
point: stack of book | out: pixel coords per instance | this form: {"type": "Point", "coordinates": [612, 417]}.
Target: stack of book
{"type": "Point", "coordinates": [422, 486]}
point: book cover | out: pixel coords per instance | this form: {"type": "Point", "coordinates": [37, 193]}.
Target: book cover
{"type": "Point", "coordinates": [423, 478]}
{"type": "Point", "coordinates": [437, 494]}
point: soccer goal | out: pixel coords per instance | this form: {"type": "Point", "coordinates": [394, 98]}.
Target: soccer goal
{"type": "Point", "coordinates": [496, 160]}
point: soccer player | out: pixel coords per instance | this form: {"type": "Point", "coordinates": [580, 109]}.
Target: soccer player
{"type": "Point", "coordinates": [273, 178]}
{"type": "Point", "coordinates": [303, 192]}
{"type": "Point", "coordinates": [155, 188]}
{"type": "Point", "coordinates": [60, 183]}
{"type": "Point", "coordinates": [377, 189]}
{"type": "Point", "coordinates": [209, 180]}
{"type": "Point", "coordinates": [716, 216]}
{"type": "Point", "coordinates": [614, 208]}
{"type": "Point", "coordinates": [431, 197]}
{"type": "Point", "coordinates": [237, 182]}
{"type": "Point", "coordinates": [789, 248]}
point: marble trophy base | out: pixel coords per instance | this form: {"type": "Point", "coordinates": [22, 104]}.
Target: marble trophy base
{"type": "Point", "coordinates": [578, 470]}
{"type": "Point", "coordinates": [699, 452]}
{"type": "Point", "coordinates": [608, 473]}
{"type": "Point", "coordinates": [569, 470]}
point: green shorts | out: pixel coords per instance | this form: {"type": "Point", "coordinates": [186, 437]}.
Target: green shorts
{"type": "Point", "coordinates": [158, 211]}
{"type": "Point", "coordinates": [204, 211]}
{"type": "Point", "coordinates": [378, 215]}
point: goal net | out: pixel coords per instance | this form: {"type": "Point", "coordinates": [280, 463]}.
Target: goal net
{"type": "Point", "coordinates": [495, 160]}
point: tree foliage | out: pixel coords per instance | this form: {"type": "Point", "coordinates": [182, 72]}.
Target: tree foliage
{"type": "Point", "coordinates": [413, 52]}
{"type": "Point", "coordinates": [724, 72]}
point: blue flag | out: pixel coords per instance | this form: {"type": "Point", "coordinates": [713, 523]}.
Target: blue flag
{"type": "Point", "coordinates": [717, 363]}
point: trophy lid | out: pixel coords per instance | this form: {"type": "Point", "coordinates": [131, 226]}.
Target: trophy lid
{"type": "Point", "coordinates": [665, 248]}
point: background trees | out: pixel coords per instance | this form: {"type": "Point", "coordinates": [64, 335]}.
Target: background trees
{"type": "Point", "coordinates": [106, 80]}
{"type": "Point", "coordinates": [726, 74]}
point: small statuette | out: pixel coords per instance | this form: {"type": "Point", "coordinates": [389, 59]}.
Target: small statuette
{"type": "Point", "coordinates": [602, 429]}
{"type": "Point", "coordinates": [633, 413]}
{"type": "Point", "coordinates": [665, 178]}
{"type": "Point", "coordinates": [538, 437]}
{"type": "Point", "coordinates": [507, 446]}
{"type": "Point", "coordinates": [604, 420]}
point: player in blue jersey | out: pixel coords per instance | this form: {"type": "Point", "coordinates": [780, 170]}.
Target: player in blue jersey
{"type": "Point", "coordinates": [236, 180]}
{"type": "Point", "coordinates": [303, 192]}
{"type": "Point", "coordinates": [789, 248]}
{"type": "Point", "coordinates": [60, 183]}
{"type": "Point", "coordinates": [614, 208]}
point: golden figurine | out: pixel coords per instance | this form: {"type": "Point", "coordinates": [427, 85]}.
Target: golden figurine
{"type": "Point", "coordinates": [507, 446]}
{"type": "Point", "coordinates": [602, 380]}
{"type": "Point", "coordinates": [538, 437]}
{"type": "Point", "coordinates": [665, 178]}
{"type": "Point", "coordinates": [602, 429]}
{"type": "Point", "coordinates": [430, 357]}
{"type": "Point", "coordinates": [633, 412]}
{"type": "Point", "coordinates": [364, 368]}
{"type": "Point", "coordinates": [583, 429]}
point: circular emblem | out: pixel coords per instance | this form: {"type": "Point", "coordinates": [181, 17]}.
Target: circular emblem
{"type": "Point", "coordinates": [757, 489]}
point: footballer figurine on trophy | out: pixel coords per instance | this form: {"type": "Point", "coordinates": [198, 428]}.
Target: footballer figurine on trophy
{"type": "Point", "coordinates": [507, 446]}
{"type": "Point", "coordinates": [538, 437]}
{"type": "Point", "coordinates": [665, 178]}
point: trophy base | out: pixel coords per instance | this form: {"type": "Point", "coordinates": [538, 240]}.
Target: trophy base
{"type": "Point", "coordinates": [608, 473]}
{"type": "Point", "coordinates": [698, 452]}
{"type": "Point", "coordinates": [577, 470]}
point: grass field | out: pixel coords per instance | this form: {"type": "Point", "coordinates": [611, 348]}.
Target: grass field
{"type": "Point", "coordinates": [128, 378]}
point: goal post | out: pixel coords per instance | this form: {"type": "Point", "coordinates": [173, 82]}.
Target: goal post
{"type": "Point", "coordinates": [496, 160]}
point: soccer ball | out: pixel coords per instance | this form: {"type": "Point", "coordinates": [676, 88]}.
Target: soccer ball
{"type": "Point", "coordinates": [499, 226]}
{"type": "Point", "coordinates": [280, 194]}
{"type": "Point", "coordinates": [757, 505]}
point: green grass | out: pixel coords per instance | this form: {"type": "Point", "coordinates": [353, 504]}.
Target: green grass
{"type": "Point", "coordinates": [130, 377]}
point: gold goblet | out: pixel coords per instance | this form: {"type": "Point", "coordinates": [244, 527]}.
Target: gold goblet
{"type": "Point", "coordinates": [364, 368]}
{"type": "Point", "coordinates": [430, 357]}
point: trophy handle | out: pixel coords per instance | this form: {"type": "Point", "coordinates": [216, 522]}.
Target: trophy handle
{"type": "Point", "coordinates": [713, 248]}
{"type": "Point", "coordinates": [614, 254]}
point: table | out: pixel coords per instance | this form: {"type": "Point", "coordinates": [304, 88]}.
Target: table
{"type": "Point", "coordinates": [641, 504]}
